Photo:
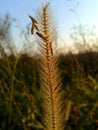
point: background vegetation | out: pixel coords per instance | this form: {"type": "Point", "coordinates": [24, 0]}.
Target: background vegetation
{"type": "Point", "coordinates": [20, 104]}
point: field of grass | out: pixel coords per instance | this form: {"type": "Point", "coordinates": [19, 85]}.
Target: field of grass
{"type": "Point", "coordinates": [20, 104]}
{"type": "Point", "coordinates": [46, 91]}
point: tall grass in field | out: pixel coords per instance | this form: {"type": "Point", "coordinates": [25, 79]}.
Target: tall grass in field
{"type": "Point", "coordinates": [51, 88]}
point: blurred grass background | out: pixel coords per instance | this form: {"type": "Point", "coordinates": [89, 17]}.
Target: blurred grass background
{"type": "Point", "coordinates": [20, 104]}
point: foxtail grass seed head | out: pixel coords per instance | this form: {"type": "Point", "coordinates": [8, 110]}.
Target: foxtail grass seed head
{"type": "Point", "coordinates": [51, 89]}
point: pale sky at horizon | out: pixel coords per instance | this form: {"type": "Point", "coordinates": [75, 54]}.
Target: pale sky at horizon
{"type": "Point", "coordinates": [87, 11]}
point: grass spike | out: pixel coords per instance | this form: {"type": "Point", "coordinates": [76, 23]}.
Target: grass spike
{"type": "Point", "coordinates": [51, 89]}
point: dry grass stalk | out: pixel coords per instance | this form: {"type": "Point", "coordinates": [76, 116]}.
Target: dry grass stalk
{"type": "Point", "coordinates": [52, 93]}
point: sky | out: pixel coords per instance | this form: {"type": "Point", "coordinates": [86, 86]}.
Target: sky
{"type": "Point", "coordinates": [67, 13]}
